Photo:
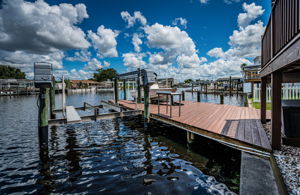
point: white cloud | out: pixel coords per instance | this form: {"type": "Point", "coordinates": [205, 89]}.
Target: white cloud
{"type": "Point", "coordinates": [180, 21]}
{"type": "Point", "coordinates": [41, 28]}
{"type": "Point", "coordinates": [104, 41]}
{"type": "Point", "coordinates": [131, 20]}
{"type": "Point", "coordinates": [204, 1]}
{"type": "Point", "coordinates": [82, 56]}
{"type": "Point", "coordinates": [252, 12]}
{"type": "Point", "coordinates": [170, 39]}
{"type": "Point", "coordinates": [93, 65]}
{"type": "Point", "coordinates": [192, 61]}
{"type": "Point", "coordinates": [216, 52]}
{"type": "Point", "coordinates": [134, 60]}
{"type": "Point", "coordinates": [136, 41]}
{"type": "Point", "coordinates": [231, 1]}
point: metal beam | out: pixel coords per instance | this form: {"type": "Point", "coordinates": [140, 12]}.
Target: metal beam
{"type": "Point", "coordinates": [98, 117]}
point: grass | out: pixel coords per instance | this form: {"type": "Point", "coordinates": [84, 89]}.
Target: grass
{"type": "Point", "coordinates": [257, 104]}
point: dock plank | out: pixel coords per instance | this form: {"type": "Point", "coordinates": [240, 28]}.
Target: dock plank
{"type": "Point", "coordinates": [72, 115]}
{"type": "Point", "coordinates": [235, 123]}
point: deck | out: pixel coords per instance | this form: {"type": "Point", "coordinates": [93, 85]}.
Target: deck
{"type": "Point", "coordinates": [236, 126]}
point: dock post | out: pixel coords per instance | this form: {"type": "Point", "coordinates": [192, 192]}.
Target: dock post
{"type": "Point", "coordinates": [43, 117]}
{"type": "Point", "coordinates": [276, 109]}
{"type": "Point", "coordinates": [192, 88]}
{"type": "Point", "coordinates": [52, 99]}
{"type": "Point", "coordinates": [198, 96]}
{"type": "Point", "coordinates": [230, 85]}
{"type": "Point", "coordinates": [183, 96]}
{"type": "Point", "coordinates": [237, 88]}
{"type": "Point", "coordinates": [206, 88]}
{"type": "Point", "coordinates": [116, 90]}
{"type": "Point", "coordinates": [190, 137]}
{"type": "Point", "coordinates": [146, 103]}
{"type": "Point", "coordinates": [139, 86]}
{"type": "Point", "coordinates": [263, 100]}
{"type": "Point", "coordinates": [124, 89]}
{"type": "Point", "coordinates": [221, 98]}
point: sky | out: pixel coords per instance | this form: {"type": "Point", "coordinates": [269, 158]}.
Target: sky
{"type": "Point", "coordinates": [198, 39]}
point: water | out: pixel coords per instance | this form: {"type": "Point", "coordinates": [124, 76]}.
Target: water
{"type": "Point", "coordinates": [107, 156]}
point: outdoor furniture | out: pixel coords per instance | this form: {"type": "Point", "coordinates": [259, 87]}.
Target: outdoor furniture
{"type": "Point", "coordinates": [167, 94]}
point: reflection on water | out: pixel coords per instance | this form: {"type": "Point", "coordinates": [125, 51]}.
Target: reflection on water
{"type": "Point", "coordinates": [108, 156]}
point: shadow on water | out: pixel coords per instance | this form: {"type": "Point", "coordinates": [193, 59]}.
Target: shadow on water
{"type": "Point", "coordinates": [109, 156]}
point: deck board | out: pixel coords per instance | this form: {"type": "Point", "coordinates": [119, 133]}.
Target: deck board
{"type": "Point", "coordinates": [241, 124]}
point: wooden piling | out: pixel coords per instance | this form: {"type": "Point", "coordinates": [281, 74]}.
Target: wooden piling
{"type": "Point", "coordinates": [190, 137]}
{"type": "Point", "coordinates": [116, 90]}
{"type": "Point", "coordinates": [221, 98]}
{"type": "Point", "coordinates": [183, 96]}
{"type": "Point", "coordinates": [124, 89]}
{"type": "Point", "coordinates": [206, 88]}
{"type": "Point", "coordinates": [139, 87]}
{"type": "Point", "coordinates": [146, 103]}
{"type": "Point", "coordinates": [192, 88]}
{"type": "Point", "coordinates": [230, 85]}
{"type": "Point", "coordinates": [43, 117]}
{"type": "Point", "coordinates": [198, 96]}
{"type": "Point", "coordinates": [52, 99]}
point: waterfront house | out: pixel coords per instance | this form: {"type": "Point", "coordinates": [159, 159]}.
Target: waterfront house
{"type": "Point", "coordinates": [227, 81]}
{"type": "Point", "coordinates": [280, 64]}
{"type": "Point", "coordinates": [251, 73]}
{"type": "Point", "coordinates": [75, 84]}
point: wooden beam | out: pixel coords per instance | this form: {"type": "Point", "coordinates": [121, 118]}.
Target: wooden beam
{"type": "Point", "coordinates": [276, 109]}
{"type": "Point", "coordinates": [263, 99]}
{"type": "Point", "coordinates": [146, 102]}
{"type": "Point", "coordinates": [291, 77]}
{"type": "Point", "coordinates": [139, 86]}
{"type": "Point", "coordinates": [72, 115]}
{"type": "Point", "coordinates": [116, 87]}
{"type": "Point", "coordinates": [124, 89]}
{"type": "Point", "coordinates": [288, 55]}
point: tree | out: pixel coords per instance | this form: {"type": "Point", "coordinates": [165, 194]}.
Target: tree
{"type": "Point", "coordinates": [188, 81]}
{"type": "Point", "coordinates": [104, 74]}
{"type": "Point", "coordinates": [243, 65]}
{"type": "Point", "coordinates": [8, 72]}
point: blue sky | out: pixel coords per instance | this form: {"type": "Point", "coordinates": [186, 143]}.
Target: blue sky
{"type": "Point", "coordinates": [206, 42]}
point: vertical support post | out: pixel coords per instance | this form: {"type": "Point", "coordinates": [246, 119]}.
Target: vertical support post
{"type": "Point", "coordinates": [139, 87]}
{"type": "Point", "coordinates": [63, 104]}
{"type": "Point", "coordinates": [43, 117]}
{"type": "Point", "coordinates": [52, 99]}
{"type": "Point", "coordinates": [124, 89]}
{"type": "Point", "coordinates": [198, 96]}
{"type": "Point", "coordinates": [201, 87]}
{"type": "Point", "coordinates": [192, 88]}
{"type": "Point", "coordinates": [146, 103]}
{"type": "Point", "coordinates": [206, 88]}
{"type": "Point", "coordinates": [237, 88]}
{"type": "Point", "coordinates": [276, 109]}
{"type": "Point", "coordinates": [252, 88]}
{"type": "Point", "coordinates": [221, 98]}
{"type": "Point", "coordinates": [116, 90]}
{"type": "Point", "coordinates": [183, 96]}
{"type": "Point", "coordinates": [263, 99]}
{"type": "Point", "coordinates": [230, 85]}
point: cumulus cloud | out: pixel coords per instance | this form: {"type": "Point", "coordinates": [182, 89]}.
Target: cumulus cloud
{"type": "Point", "coordinates": [180, 21]}
{"type": "Point", "coordinates": [216, 52]}
{"type": "Point", "coordinates": [94, 64]}
{"type": "Point", "coordinates": [104, 41]}
{"type": "Point", "coordinates": [82, 56]}
{"type": "Point", "coordinates": [134, 60]}
{"type": "Point", "coordinates": [136, 41]}
{"type": "Point", "coordinates": [252, 12]}
{"type": "Point", "coordinates": [40, 28]}
{"type": "Point", "coordinates": [131, 20]}
{"type": "Point", "coordinates": [175, 43]}
{"type": "Point", "coordinates": [231, 1]}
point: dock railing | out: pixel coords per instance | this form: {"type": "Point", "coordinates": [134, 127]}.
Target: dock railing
{"type": "Point", "coordinates": [282, 28]}
{"type": "Point", "coordinates": [289, 92]}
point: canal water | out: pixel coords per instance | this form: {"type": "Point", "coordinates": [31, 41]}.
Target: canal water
{"type": "Point", "coordinates": [117, 156]}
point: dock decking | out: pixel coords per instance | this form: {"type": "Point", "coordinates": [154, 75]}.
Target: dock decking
{"type": "Point", "coordinates": [238, 126]}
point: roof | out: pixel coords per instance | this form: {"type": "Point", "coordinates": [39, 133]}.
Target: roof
{"type": "Point", "coordinates": [252, 67]}
{"type": "Point", "coordinates": [83, 81]}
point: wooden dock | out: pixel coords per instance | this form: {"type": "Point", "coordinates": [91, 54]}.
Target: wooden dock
{"type": "Point", "coordinates": [239, 127]}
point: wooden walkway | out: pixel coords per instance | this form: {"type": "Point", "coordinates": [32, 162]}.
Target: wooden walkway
{"type": "Point", "coordinates": [239, 126]}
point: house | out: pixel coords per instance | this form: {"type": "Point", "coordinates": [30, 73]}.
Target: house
{"type": "Point", "coordinates": [227, 81]}
{"type": "Point", "coordinates": [280, 62]}
{"type": "Point", "coordinates": [251, 73]}
{"type": "Point", "coordinates": [75, 84]}
{"type": "Point", "coordinates": [8, 84]}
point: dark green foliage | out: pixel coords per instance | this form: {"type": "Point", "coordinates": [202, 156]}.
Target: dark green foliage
{"type": "Point", "coordinates": [8, 72]}
{"type": "Point", "coordinates": [104, 74]}
{"type": "Point", "coordinates": [188, 81]}
{"type": "Point", "coordinates": [68, 83]}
